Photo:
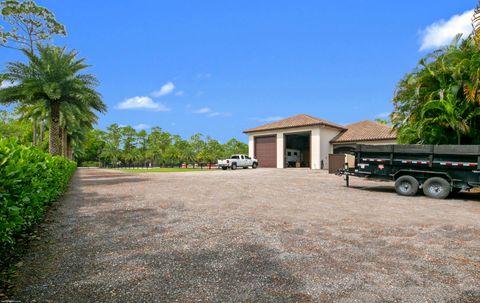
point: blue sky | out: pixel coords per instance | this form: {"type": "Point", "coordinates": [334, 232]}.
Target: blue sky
{"type": "Point", "coordinates": [219, 67]}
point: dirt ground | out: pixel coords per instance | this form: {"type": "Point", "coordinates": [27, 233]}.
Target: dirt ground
{"type": "Point", "coordinates": [265, 235]}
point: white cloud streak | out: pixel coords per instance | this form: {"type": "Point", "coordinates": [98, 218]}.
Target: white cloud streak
{"type": "Point", "coordinates": [441, 33]}
{"type": "Point", "coordinates": [142, 102]}
{"type": "Point", "coordinates": [166, 89]}
{"type": "Point", "coordinates": [142, 126]}
{"type": "Point", "coordinates": [210, 113]}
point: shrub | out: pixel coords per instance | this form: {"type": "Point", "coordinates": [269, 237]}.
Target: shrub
{"type": "Point", "coordinates": [90, 164]}
{"type": "Point", "coordinates": [30, 180]}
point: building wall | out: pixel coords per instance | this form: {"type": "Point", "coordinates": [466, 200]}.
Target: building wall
{"type": "Point", "coordinates": [320, 146]}
{"type": "Point", "coordinates": [326, 135]}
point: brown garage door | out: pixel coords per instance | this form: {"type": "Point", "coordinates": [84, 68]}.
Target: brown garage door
{"type": "Point", "coordinates": [266, 151]}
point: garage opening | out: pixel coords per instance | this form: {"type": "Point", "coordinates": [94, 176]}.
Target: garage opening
{"type": "Point", "coordinates": [265, 151]}
{"type": "Point", "coordinates": [297, 150]}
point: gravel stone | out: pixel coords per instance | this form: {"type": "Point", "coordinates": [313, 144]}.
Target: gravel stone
{"type": "Point", "coordinates": [265, 235]}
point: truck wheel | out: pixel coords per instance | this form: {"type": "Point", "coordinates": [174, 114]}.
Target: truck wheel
{"type": "Point", "coordinates": [224, 167]}
{"type": "Point", "coordinates": [254, 165]}
{"type": "Point", "coordinates": [437, 188]}
{"type": "Point", "coordinates": [406, 186]}
{"type": "Point", "coordinates": [234, 166]}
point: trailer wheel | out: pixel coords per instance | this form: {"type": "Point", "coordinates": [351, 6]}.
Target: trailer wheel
{"type": "Point", "coordinates": [234, 166]}
{"type": "Point", "coordinates": [437, 188]}
{"type": "Point", "coordinates": [254, 165]}
{"type": "Point", "coordinates": [224, 167]}
{"type": "Point", "coordinates": [456, 190]}
{"type": "Point", "coordinates": [406, 186]}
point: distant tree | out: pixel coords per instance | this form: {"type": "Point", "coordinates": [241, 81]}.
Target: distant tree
{"type": "Point", "coordinates": [383, 121]}
{"type": "Point", "coordinates": [129, 143]}
{"type": "Point", "coordinates": [142, 141]}
{"type": "Point", "coordinates": [111, 152]}
{"type": "Point", "coordinates": [233, 146]}
{"type": "Point", "coordinates": [92, 146]}
{"type": "Point", "coordinates": [197, 144]}
{"type": "Point", "coordinates": [26, 24]}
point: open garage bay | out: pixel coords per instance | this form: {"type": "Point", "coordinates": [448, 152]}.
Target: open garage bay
{"type": "Point", "coordinates": [251, 235]}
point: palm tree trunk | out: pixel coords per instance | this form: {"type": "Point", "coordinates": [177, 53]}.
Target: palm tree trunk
{"type": "Point", "coordinates": [64, 142]}
{"type": "Point", "coordinates": [69, 149]}
{"type": "Point", "coordinates": [42, 129]}
{"type": "Point", "coordinates": [34, 134]}
{"type": "Point", "coordinates": [54, 145]}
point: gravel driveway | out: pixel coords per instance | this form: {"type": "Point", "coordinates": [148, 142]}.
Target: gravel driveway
{"type": "Point", "coordinates": [265, 235]}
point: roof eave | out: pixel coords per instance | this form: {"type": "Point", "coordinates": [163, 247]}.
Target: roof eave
{"type": "Point", "coordinates": [362, 140]}
{"type": "Point", "coordinates": [248, 131]}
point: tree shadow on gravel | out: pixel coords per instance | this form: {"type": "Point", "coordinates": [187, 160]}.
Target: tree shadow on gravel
{"type": "Point", "coordinates": [110, 181]}
{"type": "Point", "coordinates": [131, 255]}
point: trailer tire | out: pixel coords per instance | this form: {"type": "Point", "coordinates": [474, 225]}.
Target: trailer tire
{"type": "Point", "coordinates": [234, 166]}
{"type": "Point", "coordinates": [254, 165]}
{"type": "Point", "coordinates": [224, 167]}
{"type": "Point", "coordinates": [406, 186]}
{"type": "Point", "coordinates": [437, 188]}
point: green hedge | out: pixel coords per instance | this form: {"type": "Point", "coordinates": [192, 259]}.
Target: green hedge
{"type": "Point", "coordinates": [90, 164]}
{"type": "Point", "coordinates": [30, 180]}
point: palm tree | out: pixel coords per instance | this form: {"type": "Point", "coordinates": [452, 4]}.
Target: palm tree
{"type": "Point", "coordinates": [449, 114]}
{"type": "Point", "coordinates": [53, 78]}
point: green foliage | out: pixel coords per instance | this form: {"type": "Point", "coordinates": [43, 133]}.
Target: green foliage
{"type": "Point", "coordinates": [90, 164]}
{"type": "Point", "coordinates": [51, 83]}
{"type": "Point", "coordinates": [27, 24]}
{"type": "Point", "coordinates": [12, 127]}
{"type": "Point", "coordinates": [29, 181]}
{"type": "Point", "coordinates": [383, 121]}
{"type": "Point", "coordinates": [438, 102]}
{"type": "Point", "coordinates": [124, 146]}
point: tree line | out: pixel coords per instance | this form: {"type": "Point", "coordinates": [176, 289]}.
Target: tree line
{"type": "Point", "coordinates": [123, 146]}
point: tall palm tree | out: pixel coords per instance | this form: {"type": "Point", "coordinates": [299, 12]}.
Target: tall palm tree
{"type": "Point", "coordinates": [52, 77]}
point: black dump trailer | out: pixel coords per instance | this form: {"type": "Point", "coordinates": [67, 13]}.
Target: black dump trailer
{"type": "Point", "coordinates": [438, 170]}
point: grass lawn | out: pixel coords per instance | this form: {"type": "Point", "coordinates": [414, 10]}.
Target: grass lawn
{"type": "Point", "coordinates": [162, 170]}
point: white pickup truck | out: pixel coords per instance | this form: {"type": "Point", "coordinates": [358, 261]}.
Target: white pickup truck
{"type": "Point", "coordinates": [237, 161]}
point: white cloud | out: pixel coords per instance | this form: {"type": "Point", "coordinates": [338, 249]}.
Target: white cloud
{"type": "Point", "coordinates": [268, 119]}
{"type": "Point", "coordinates": [210, 113]}
{"type": "Point", "coordinates": [179, 93]}
{"type": "Point", "coordinates": [383, 115]}
{"type": "Point", "coordinates": [142, 102]}
{"type": "Point", "coordinates": [6, 83]}
{"type": "Point", "coordinates": [166, 89]}
{"type": "Point", "coordinates": [441, 33]}
{"type": "Point", "coordinates": [203, 110]}
{"type": "Point", "coordinates": [142, 126]}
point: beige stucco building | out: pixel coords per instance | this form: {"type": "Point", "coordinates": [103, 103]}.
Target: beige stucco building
{"type": "Point", "coordinates": [306, 141]}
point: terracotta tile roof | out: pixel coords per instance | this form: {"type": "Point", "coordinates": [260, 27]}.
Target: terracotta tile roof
{"type": "Point", "coordinates": [295, 121]}
{"type": "Point", "coordinates": [365, 131]}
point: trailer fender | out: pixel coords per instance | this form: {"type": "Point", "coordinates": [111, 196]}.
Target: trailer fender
{"type": "Point", "coordinates": [422, 175]}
